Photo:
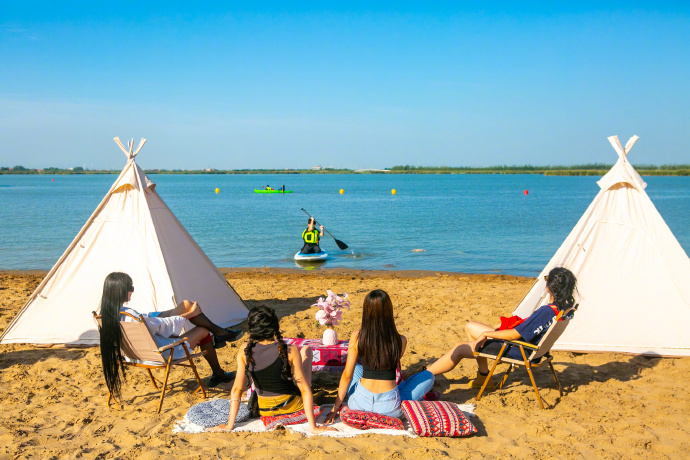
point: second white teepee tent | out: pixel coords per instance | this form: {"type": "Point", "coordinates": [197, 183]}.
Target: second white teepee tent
{"type": "Point", "coordinates": [131, 231]}
{"type": "Point", "coordinates": [633, 275]}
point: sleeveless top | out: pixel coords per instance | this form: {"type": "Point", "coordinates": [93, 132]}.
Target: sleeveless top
{"type": "Point", "coordinates": [369, 373]}
{"type": "Point", "coordinates": [268, 366]}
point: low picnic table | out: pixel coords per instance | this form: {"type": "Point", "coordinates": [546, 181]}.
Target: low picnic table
{"type": "Point", "coordinates": [329, 358]}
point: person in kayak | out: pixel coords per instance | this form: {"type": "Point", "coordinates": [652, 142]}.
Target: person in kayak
{"type": "Point", "coordinates": [310, 236]}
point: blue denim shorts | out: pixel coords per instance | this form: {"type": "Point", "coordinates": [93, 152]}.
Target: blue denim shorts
{"type": "Point", "coordinates": [387, 403]}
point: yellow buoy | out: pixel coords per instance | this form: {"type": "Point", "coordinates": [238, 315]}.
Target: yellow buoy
{"type": "Point", "coordinates": [217, 190]}
{"type": "Point", "coordinates": [342, 191]}
{"type": "Point", "coordinates": [393, 192]}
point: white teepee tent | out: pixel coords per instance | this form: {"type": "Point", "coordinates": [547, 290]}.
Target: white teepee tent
{"type": "Point", "coordinates": [633, 275]}
{"type": "Point", "coordinates": [132, 231]}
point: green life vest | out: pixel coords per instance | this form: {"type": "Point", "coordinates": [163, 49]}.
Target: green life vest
{"type": "Point", "coordinates": [310, 237]}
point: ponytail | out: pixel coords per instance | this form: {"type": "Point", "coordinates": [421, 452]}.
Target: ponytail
{"type": "Point", "coordinates": [115, 289]}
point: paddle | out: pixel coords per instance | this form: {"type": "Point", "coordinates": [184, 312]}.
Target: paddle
{"type": "Point", "coordinates": [340, 244]}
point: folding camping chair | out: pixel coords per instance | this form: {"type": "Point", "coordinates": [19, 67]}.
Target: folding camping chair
{"type": "Point", "coordinates": [536, 356]}
{"type": "Point", "coordinates": [140, 350]}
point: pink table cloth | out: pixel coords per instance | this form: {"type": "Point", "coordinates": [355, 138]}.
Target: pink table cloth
{"type": "Point", "coordinates": [329, 358]}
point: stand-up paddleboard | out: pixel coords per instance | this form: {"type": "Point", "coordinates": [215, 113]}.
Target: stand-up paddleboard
{"type": "Point", "coordinates": [314, 257]}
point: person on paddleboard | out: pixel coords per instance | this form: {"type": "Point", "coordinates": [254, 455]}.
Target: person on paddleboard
{"type": "Point", "coordinates": [311, 236]}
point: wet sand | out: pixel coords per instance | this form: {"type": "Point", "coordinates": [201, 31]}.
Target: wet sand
{"type": "Point", "coordinates": [615, 405]}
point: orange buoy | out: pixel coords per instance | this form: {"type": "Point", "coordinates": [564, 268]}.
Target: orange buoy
{"type": "Point", "coordinates": [526, 192]}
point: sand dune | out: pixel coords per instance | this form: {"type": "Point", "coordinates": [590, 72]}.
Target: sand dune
{"type": "Point", "coordinates": [616, 406]}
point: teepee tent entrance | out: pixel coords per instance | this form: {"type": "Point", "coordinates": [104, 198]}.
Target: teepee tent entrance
{"type": "Point", "coordinates": [131, 231]}
{"type": "Point", "coordinates": [633, 275]}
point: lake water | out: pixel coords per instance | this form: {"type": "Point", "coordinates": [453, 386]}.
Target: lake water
{"type": "Point", "coordinates": [465, 223]}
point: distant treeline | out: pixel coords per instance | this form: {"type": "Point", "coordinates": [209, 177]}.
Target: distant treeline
{"type": "Point", "coordinates": [81, 170]}
{"type": "Point", "coordinates": [590, 169]}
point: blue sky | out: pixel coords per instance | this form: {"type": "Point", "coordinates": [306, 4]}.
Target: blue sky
{"type": "Point", "coordinates": [347, 84]}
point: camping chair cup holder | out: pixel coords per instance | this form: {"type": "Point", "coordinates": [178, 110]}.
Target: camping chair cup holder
{"type": "Point", "coordinates": [139, 349]}
{"type": "Point", "coordinates": [532, 355]}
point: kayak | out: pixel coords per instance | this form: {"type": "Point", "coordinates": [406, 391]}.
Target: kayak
{"type": "Point", "coordinates": [271, 191]}
{"type": "Point", "coordinates": [312, 257]}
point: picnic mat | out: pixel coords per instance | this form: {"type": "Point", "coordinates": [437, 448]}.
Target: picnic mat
{"type": "Point", "coordinates": [344, 431]}
{"type": "Point", "coordinates": [329, 358]}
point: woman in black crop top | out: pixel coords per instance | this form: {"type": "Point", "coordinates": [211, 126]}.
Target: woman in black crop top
{"type": "Point", "coordinates": [281, 373]}
{"type": "Point", "coordinates": [374, 352]}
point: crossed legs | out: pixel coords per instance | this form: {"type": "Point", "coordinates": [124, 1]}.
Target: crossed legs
{"type": "Point", "coordinates": [192, 312]}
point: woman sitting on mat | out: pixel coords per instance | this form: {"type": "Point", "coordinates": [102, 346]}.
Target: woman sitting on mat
{"type": "Point", "coordinates": [281, 374]}
{"type": "Point", "coordinates": [373, 355]}
{"type": "Point", "coordinates": [166, 327]}
{"type": "Point", "coordinates": [560, 284]}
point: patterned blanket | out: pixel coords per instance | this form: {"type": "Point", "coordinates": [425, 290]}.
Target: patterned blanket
{"type": "Point", "coordinates": [344, 431]}
{"type": "Point", "coordinates": [329, 358]}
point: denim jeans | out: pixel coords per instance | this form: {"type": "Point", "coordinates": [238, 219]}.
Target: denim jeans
{"type": "Point", "coordinates": [388, 403]}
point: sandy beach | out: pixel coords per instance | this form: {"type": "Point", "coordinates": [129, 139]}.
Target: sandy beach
{"type": "Point", "coordinates": [615, 405]}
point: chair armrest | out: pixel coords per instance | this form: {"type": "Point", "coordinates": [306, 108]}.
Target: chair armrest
{"type": "Point", "coordinates": [172, 345]}
{"type": "Point", "coordinates": [523, 344]}
{"type": "Point", "coordinates": [131, 316]}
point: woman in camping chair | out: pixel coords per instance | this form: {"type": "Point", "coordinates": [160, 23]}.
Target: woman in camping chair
{"type": "Point", "coordinates": [117, 290]}
{"type": "Point", "coordinates": [560, 284]}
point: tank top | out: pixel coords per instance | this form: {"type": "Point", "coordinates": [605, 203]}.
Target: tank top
{"type": "Point", "coordinates": [267, 370]}
{"type": "Point", "coordinates": [369, 373]}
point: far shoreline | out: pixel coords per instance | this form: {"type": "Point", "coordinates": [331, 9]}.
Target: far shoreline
{"type": "Point", "coordinates": [582, 169]}
{"type": "Point", "coordinates": [336, 271]}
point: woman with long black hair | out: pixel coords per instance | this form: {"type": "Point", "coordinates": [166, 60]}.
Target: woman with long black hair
{"type": "Point", "coordinates": [166, 326]}
{"type": "Point", "coordinates": [560, 284]}
{"type": "Point", "coordinates": [281, 373]}
{"type": "Point", "coordinates": [369, 379]}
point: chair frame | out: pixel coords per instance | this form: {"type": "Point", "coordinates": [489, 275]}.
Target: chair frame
{"type": "Point", "coordinates": [537, 352]}
{"type": "Point", "coordinates": [164, 363]}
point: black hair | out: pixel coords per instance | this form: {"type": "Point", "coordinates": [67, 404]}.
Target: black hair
{"type": "Point", "coordinates": [379, 344]}
{"type": "Point", "coordinates": [115, 289]}
{"type": "Point", "coordinates": [562, 284]}
{"type": "Point", "coordinates": [263, 324]}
